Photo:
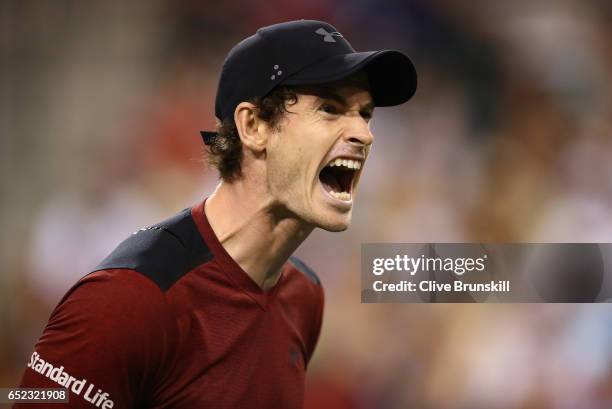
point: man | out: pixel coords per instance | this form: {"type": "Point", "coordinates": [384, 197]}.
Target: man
{"type": "Point", "coordinates": [208, 308]}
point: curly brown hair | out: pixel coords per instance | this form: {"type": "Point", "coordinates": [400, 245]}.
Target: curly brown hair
{"type": "Point", "coordinates": [225, 151]}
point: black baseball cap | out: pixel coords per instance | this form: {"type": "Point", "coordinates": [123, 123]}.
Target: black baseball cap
{"type": "Point", "coordinates": [307, 52]}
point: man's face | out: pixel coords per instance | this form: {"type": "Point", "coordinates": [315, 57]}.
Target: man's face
{"type": "Point", "coordinates": [314, 161]}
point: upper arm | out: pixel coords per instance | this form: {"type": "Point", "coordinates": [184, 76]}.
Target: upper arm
{"type": "Point", "coordinates": [107, 333]}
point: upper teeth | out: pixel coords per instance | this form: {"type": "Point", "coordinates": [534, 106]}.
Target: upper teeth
{"type": "Point", "coordinates": [347, 163]}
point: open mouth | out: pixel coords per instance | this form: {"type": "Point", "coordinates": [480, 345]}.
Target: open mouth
{"type": "Point", "coordinates": [338, 176]}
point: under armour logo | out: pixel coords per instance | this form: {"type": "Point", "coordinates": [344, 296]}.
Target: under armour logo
{"type": "Point", "coordinates": [295, 357]}
{"type": "Point", "coordinates": [328, 37]}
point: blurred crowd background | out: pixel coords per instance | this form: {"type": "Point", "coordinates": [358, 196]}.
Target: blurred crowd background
{"type": "Point", "coordinates": [508, 139]}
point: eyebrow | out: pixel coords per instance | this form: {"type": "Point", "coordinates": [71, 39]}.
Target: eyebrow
{"type": "Point", "coordinates": [326, 93]}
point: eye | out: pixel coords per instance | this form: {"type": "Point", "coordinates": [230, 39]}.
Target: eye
{"type": "Point", "coordinates": [366, 114]}
{"type": "Point", "coordinates": [329, 109]}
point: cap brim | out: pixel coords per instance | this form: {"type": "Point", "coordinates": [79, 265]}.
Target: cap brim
{"type": "Point", "coordinates": [391, 74]}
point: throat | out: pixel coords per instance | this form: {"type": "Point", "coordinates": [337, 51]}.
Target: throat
{"type": "Point", "coordinates": [256, 238]}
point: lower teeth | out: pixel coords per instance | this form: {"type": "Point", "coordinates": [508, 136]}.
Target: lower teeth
{"type": "Point", "coordinates": [345, 196]}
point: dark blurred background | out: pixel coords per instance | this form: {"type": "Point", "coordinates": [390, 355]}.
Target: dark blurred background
{"type": "Point", "coordinates": [509, 138]}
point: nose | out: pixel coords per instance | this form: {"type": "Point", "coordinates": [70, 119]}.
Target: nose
{"type": "Point", "coordinates": [358, 132]}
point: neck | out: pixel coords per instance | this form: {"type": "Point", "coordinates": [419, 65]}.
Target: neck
{"type": "Point", "coordinates": [257, 233]}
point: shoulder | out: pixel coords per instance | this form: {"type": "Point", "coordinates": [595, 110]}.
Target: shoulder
{"type": "Point", "coordinates": [114, 328]}
{"type": "Point", "coordinates": [305, 270]}
{"type": "Point", "coordinates": [118, 316]}
{"type": "Point", "coordinates": [117, 294]}
{"type": "Point", "coordinates": [163, 252]}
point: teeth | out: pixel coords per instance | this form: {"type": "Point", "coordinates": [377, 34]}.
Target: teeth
{"type": "Point", "coordinates": [347, 163]}
{"type": "Point", "coordinates": [345, 196]}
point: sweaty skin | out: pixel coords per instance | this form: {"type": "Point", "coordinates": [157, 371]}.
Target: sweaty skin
{"type": "Point", "coordinates": [262, 217]}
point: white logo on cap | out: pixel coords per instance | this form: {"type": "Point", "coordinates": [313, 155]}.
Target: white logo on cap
{"type": "Point", "coordinates": [328, 37]}
{"type": "Point", "coordinates": [279, 72]}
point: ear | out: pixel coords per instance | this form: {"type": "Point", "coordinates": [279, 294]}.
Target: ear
{"type": "Point", "coordinates": [250, 128]}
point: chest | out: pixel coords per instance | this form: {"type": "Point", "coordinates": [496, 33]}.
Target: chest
{"type": "Point", "coordinates": [238, 352]}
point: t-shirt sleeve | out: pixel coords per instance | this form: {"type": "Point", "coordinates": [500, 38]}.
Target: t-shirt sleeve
{"type": "Point", "coordinates": [105, 342]}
